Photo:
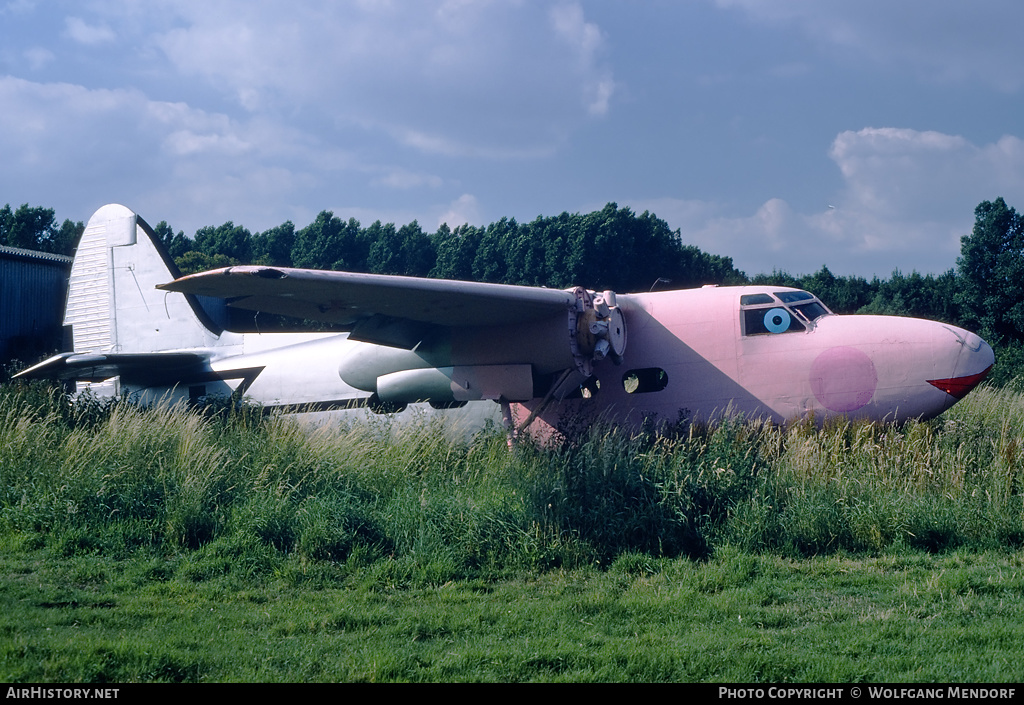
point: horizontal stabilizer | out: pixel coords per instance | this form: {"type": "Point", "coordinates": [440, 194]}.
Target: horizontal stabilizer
{"type": "Point", "coordinates": [151, 368]}
{"type": "Point", "coordinates": [347, 298]}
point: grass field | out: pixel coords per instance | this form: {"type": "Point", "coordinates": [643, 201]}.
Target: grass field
{"type": "Point", "coordinates": [168, 545]}
{"type": "Point", "coordinates": [735, 618]}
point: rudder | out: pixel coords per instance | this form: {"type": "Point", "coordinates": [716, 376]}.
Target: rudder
{"type": "Point", "coordinates": [113, 305]}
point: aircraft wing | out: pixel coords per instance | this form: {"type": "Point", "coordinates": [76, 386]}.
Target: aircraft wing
{"type": "Point", "coordinates": [154, 368]}
{"type": "Point", "coordinates": [378, 308]}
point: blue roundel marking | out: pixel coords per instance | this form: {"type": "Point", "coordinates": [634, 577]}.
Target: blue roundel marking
{"type": "Point", "coordinates": [777, 320]}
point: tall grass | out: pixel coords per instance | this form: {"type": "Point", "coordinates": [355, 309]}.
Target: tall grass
{"type": "Point", "coordinates": [236, 493]}
{"type": "Point", "coordinates": [868, 487]}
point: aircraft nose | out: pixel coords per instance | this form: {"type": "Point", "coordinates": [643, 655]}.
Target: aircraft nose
{"type": "Point", "coordinates": [972, 365]}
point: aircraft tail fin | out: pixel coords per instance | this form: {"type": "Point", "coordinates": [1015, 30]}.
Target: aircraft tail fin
{"type": "Point", "coordinates": [113, 305]}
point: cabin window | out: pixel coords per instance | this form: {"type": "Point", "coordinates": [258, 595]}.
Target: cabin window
{"type": "Point", "coordinates": [642, 381]}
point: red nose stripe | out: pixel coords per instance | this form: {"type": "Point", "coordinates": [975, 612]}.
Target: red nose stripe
{"type": "Point", "coordinates": [959, 386]}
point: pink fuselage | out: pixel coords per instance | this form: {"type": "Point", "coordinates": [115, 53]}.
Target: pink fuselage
{"type": "Point", "coordinates": [693, 344]}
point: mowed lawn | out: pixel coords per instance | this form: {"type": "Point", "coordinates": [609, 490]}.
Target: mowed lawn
{"type": "Point", "coordinates": [734, 618]}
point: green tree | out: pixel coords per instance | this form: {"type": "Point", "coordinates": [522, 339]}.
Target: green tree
{"type": "Point", "coordinates": [990, 272]}
{"type": "Point", "coordinates": [777, 278]}
{"type": "Point", "coordinates": [35, 228]}
{"type": "Point", "coordinates": [698, 268]}
{"type": "Point", "coordinates": [555, 234]}
{"type": "Point", "coordinates": [385, 256]}
{"type": "Point", "coordinates": [490, 261]}
{"type": "Point", "coordinates": [612, 248]}
{"type": "Point", "coordinates": [916, 295]}
{"type": "Point", "coordinates": [526, 256]}
{"type": "Point", "coordinates": [195, 261]}
{"type": "Point", "coordinates": [407, 251]}
{"type": "Point", "coordinates": [274, 246]}
{"type": "Point", "coordinates": [65, 240]}
{"type": "Point", "coordinates": [455, 251]}
{"type": "Point", "coordinates": [842, 294]}
{"type": "Point", "coordinates": [331, 243]}
{"type": "Point", "coordinates": [230, 240]}
{"type": "Point", "coordinates": [176, 244]}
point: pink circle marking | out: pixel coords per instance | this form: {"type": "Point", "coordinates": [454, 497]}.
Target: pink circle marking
{"type": "Point", "coordinates": [843, 379]}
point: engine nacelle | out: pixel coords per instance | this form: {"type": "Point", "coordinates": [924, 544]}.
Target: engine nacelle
{"type": "Point", "coordinates": [457, 384]}
{"type": "Point", "coordinates": [600, 330]}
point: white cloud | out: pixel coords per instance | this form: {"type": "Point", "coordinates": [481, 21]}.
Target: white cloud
{"type": "Point", "coordinates": [38, 57]}
{"type": "Point", "coordinates": [599, 96]}
{"type": "Point", "coordinates": [941, 40]}
{"type": "Point", "coordinates": [908, 197]}
{"type": "Point", "coordinates": [186, 142]}
{"type": "Point", "coordinates": [257, 112]}
{"type": "Point", "coordinates": [88, 34]}
{"type": "Point", "coordinates": [482, 79]}
{"type": "Point", "coordinates": [404, 179]}
{"type": "Point", "coordinates": [42, 122]}
{"type": "Point", "coordinates": [445, 145]}
{"type": "Point", "coordinates": [585, 37]}
{"type": "Point", "coordinates": [18, 7]}
{"type": "Point", "coordinates": [586, 40]}
{"type": "Point", "coordinates": [892, 172]}
{"type": "Point", "coordinates": [168, 159]}
{"type": "Point", "coordinates": [464, 209]}
{"type": "Point", "coordinates": [915, 191]}
{"type": "Point", "coordinates": [303, 102]}
{"type": "Point", "coordinates": [759, 242]}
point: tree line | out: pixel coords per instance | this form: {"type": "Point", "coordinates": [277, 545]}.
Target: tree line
{"type": "Point", "coordinates": [612, 248]}
{"type": "Point", "coordinates": [608, 249]}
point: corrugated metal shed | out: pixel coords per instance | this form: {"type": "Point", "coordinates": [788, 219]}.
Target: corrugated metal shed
{"type": "Point", "coordinates": [33, 289]}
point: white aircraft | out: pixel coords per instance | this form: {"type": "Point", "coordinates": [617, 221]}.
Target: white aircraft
{"type": "Point", "coordinates": [547, 356]}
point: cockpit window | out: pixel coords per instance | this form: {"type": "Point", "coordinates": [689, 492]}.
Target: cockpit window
{"type": "Point", "coordinates": [788, 297]}
{"type": "Point", "coordinates": [780, 312]}
{"type": "Point", "coordinates": [770, 320]}
{"type": "Point", "coordinates": [813, 310]}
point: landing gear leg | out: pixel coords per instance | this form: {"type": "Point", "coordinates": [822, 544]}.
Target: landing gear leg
{"type": "Point", "coordinates": [509, 422]}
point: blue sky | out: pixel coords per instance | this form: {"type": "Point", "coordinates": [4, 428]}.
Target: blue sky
{"type": "Point", "coordinates": [786, 134]}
